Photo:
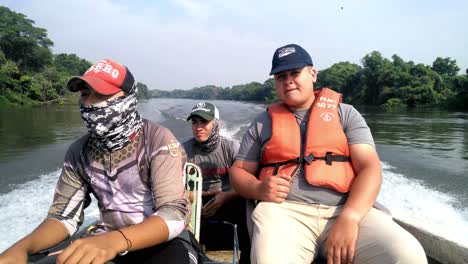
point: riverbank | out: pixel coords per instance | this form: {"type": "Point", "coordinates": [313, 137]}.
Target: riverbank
{"type": "Point", "coordinates": [10, 101]}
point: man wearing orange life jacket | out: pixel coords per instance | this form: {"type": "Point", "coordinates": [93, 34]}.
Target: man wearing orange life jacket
{"type": "Point", "coordinates": [326, 152]}
{"type": "Point", "coordinates": [318, 177]}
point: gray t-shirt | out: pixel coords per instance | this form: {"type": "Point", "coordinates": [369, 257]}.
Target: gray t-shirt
{"type": "Point", "coordinates": [214, 165]}
{"type": "Point", "coordinates": [259, 133]}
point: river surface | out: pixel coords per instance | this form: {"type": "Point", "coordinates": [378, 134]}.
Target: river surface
{"type": "Point", "coordinates": [424, 155]}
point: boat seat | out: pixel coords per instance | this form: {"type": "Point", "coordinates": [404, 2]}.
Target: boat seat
{"type": "Point", "coordinates": [193, 183]}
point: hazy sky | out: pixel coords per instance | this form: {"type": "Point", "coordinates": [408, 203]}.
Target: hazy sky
{"type": "Point", "coordinates": [187, 43]}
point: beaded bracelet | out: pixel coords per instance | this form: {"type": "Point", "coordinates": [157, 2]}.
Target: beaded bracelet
{"type": "Point", "coordinates": [129, 243]}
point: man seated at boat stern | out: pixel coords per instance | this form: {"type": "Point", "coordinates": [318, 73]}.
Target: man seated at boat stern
{"type": "Point", "coordinates": [132, 166]}
{"type": "Point", "coordinates": [215, 154]}
{"type": "Point", "coordinates": [311, 162]}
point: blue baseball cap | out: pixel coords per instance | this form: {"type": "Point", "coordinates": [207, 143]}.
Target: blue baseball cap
{"type": "Point", "coordinates": [290, 57]}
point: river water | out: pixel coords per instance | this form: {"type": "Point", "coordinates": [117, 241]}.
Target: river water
{"type": "Point", "coordinates": [424, 155]}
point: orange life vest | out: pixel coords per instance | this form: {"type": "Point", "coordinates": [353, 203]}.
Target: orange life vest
{"type": "Point", "coordinates": [325, 153]}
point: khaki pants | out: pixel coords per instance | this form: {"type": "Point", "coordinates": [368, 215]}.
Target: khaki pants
{"type": "Point", "coordinates": [292, 232]}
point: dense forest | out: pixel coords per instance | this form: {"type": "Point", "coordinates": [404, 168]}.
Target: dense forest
{"type": "Point", "coordinates": [30, 74]}
{"type": "Point", "coordinates": [379, 81]}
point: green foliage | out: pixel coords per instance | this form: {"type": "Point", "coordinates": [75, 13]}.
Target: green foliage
{"type": "Point", "coordinates": [394, 104]}
{"type": "Point", "coordinates": [342, 77]}
{"type": "Point", "coordinates": [22, 43]}
{"type": "Point", "coordinates": [9, 75]}
{"type": "Point", "coordinates": [29, 73]}
{"type": "Point", "coordinates": [457, 97]}
{"type": "Point", "coordinates": [380, 80]}
{"type": "Point", "coordinates": [10, 98]}
{"type": "Point", "coordinates": [71, 64]}
{"type": "Point", "coordinates": [253, 91]}
{"type": "Point", "coordinates": [422, 95]}
{"type": "Point", "coordinates": [142, 91]}
{"type": "Point", "coordinates": [392, 84]}
{"type": "Point", "coordinates": [376, 74]}
{"type": "Point", "coordinates": [271, 95]}
{"type": "Point", "coordinates": [445, 66]}
{"type": "Point", "coordinates": [158, 93]}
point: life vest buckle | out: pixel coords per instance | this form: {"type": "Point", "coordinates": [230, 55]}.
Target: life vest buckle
{"type": "Point", "coordinates": [277, 166]}
{"type": "Point", "coordinates": [309, 159]}
{"type": "Point", "coordinates": [328, 158]}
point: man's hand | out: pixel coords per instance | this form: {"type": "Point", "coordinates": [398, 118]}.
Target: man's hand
{"type": "Point", "coordinates": [95, 249]}
{"type": "Point", "coordinates": [341, 241]}
{"type": "Point", "coordinates": [48, 234]}
{"type": "Point", "coordinates": [220, 198]}
{"type": "Point", "coordinates": [275, 188]}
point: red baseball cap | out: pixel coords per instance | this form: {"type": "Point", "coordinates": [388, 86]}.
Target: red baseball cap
{"type": "Point", "coordinates": [105, 77]}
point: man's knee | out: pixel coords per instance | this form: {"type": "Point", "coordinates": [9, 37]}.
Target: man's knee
{"type": "Point", "coordinates": [271, 253]}
{"type": "Point", "coordinates": [381, 240]}
{"type": "Point", "coordinates": [407, 250]}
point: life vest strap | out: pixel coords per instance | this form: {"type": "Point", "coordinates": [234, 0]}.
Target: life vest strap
{"type": "Point", "coordinates": [329, 158]}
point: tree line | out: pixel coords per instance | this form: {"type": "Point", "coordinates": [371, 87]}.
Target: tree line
{"type": "Point", "coordinates": [379, 81]}
{"type": "Point", "coordinates": [30, 73]}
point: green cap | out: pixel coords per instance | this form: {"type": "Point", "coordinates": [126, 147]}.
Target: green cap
{"type": "Point", "coordinates": [204, 110]}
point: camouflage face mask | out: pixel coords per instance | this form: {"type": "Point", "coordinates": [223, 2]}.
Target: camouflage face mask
{"type": "Point", "coordinates": [112, 122]}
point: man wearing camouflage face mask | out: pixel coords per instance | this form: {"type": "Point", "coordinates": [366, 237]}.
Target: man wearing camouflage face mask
{"type": "Point", "coordinates": [132, 166]}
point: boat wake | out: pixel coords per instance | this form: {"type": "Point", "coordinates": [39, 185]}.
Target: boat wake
{"type": "Point", "coordinates": [408, 199]}
{"type": "Point", "coordinates": [415, 203]}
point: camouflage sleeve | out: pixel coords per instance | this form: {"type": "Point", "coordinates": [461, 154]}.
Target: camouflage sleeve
{"type": "Point", "coordinates": [167, 179]}
{"type": "Point", "coordinates": [71, 195]}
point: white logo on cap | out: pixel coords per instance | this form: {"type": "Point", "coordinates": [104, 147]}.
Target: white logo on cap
{"type": "Point", "coordinates": [201, 107]}
{"type": "Point", "coordinates": [106, 67]}
{"type": "Point", "coordinates": [286, 51]}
